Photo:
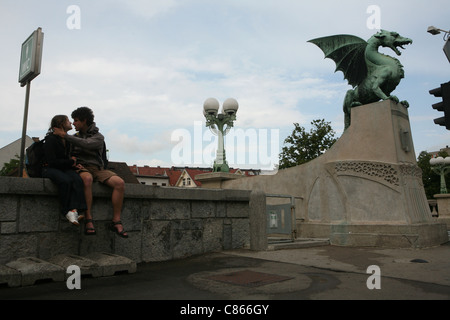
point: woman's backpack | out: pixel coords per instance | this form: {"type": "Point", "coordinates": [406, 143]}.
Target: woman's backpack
{"type": "Point", "coordinates": [35, 159]}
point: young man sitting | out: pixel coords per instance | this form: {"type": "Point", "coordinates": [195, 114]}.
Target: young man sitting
{"type": "Point", "coordinates": [87, 147]}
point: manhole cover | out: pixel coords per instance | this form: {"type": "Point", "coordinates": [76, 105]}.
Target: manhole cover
{"type": "Point", "coordinates": [248, 278]}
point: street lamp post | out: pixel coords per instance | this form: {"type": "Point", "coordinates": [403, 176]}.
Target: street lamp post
{"type": "Point", "coordinates": [441, 166]}
{"type": "Point", "coordinates": [434, 31]}
{"type": "Point", "coordinates": [220, 124]}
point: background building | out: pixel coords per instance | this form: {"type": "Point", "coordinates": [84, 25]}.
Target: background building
{"type": "Point", "coordinates": [178, 176]}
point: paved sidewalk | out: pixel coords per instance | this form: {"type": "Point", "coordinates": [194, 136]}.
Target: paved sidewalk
{"type": "Point", "coordinates": [312, 273]}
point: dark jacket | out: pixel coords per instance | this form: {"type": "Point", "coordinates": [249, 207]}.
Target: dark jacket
{"type": "Point", "coordinates": [56, 153]}
{"type": "Point", "coordinates": [87, 146]}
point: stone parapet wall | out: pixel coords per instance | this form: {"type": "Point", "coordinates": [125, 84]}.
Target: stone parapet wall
{"type": "Point", "coordinates": [442, 203]}
{"type": "Point", "coordinates": [163, 223]}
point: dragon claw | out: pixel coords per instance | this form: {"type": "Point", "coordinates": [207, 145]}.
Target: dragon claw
{"type": "Point", "coordinates": [405, 103]}
{"type": "Point", "coordinates": [394, 98]}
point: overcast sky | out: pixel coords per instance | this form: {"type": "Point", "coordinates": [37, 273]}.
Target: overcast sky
{"type": "Point", "coordinates": [146, 67]}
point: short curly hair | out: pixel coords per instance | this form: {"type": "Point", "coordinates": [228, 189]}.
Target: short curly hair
{"type": "Point", "coordinates": [84, 113]}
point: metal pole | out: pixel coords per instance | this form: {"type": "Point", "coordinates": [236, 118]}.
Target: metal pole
{"type": "Point", "coordinates": [24, 130]}
{"type": "Point", "coordinates": [444, 171]}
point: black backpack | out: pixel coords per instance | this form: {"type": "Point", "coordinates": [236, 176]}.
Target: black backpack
{"type": "Point", "coordinates": [35, 159]}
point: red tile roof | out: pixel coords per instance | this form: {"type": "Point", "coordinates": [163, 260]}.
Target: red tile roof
{"type": "Point", "coordinates": [146, 171]}
{"type": "Point", "coordinates": [174, 173]}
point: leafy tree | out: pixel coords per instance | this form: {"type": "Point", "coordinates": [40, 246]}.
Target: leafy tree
{"type": "Point", "coordinates": [10, 166]}
{"type": "Point", "coordinates": [431, 180]}
{"type": "Point", "coordinates": [302, 146]}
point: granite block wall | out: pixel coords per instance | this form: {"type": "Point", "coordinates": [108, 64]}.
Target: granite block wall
{"type": "Point", "coordinates": [163, 223]}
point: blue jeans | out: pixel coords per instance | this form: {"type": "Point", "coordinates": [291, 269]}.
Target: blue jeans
{"type": "Point", "coordinates": [70, 187]}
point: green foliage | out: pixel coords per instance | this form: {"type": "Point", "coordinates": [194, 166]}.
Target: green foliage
{"type": "Point", "coordinates": [302, 146]}
{"type": "Point", "coordinates": [10, 167]}
{"type": "Point", "coordinates": [431, 180]}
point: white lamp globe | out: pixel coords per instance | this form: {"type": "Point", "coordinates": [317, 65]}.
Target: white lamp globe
{"type": "Point", "coordinates": [211, 106]}
{"type": "Point", "coordinates": [230, 106]}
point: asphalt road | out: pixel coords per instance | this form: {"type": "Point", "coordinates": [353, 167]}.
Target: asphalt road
{"type": "Point", "coordinates": [263, 278]}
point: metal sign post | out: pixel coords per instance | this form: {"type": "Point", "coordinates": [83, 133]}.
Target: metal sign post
{"type": "Point", "coordinates": [24, 130]}
{"type": "Point", "coordinates": [30, 68]}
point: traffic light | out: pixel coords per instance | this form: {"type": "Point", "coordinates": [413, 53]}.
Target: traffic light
{"type": "Point", "coordinates": [444, 92]}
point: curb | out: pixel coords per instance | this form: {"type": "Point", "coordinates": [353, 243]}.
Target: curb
{"type": "Point", "coordinates": [29, 270]}
{"type": "Point", "coordinates": [297, 243]}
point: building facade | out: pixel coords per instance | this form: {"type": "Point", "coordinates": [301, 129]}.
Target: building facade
{"type": "Point", "coordinates": [183, 177]}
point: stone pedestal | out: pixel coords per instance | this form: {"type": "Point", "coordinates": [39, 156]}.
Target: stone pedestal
{"type": "Point", "coordinates": [443, 205]}
{"type": "Point", "coordinates": [214, 180]}
{"type": "Point", "coordinates": [366, 190]}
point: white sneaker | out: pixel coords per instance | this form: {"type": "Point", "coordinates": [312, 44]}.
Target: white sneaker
{"type": "Point", "coordinates": [72, 216]}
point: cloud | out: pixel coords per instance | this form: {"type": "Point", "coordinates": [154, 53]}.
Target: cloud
{"type": "Point", "coordinates": [150, 9]}
{"type": "Point", "coordinates": [145, 92]}
{"type": "Point", "coordinates": [151, 163]}
{"type": "Point", "coordinates": [120, 142]}
{"type": "Point", "coordinates": [146, 67]}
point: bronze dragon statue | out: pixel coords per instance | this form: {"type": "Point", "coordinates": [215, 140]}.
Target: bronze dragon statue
{"type": "Point", "coordinates": [372, 74]}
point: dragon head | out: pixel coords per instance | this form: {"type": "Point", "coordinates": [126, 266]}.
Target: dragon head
{"type": "Point", "coordinates": [391, 39]}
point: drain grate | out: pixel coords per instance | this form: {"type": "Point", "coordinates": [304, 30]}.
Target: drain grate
{"type": "Point", "coordinates": [248, 278]}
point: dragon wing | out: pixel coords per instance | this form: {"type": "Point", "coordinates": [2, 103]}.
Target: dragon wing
{"type": "Point", "coordinates": [347, 52]}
